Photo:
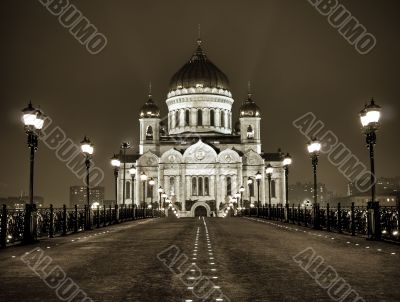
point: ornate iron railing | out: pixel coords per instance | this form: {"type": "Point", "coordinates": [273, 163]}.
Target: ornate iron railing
{"type": "Point", "coordinates": [351, 220]}
{"type": "Point", "coordinates": [51, 222]}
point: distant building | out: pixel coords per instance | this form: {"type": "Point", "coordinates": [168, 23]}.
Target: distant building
{"type": "Point", "coordinates": [387, 192]}
{"type": "Point", "coordinates": [303, 194]}
{"type": "Point", "coordinates": [20, 201]}
{"type": "Point", "coordinates": [109, 203]}
{"type": "Point", "coordinates": [77, 195]}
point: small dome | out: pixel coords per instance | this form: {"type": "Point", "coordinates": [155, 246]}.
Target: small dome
{"type": "Point", "coordinates": [249, 108]}
{"type": "Point", "coordinates": [150, 109]}
{"type": "Point", "coordinates": [199, 72]}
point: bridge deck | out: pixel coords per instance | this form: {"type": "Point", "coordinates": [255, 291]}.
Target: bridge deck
{"type": "Point", "coordinates": [244, 259]}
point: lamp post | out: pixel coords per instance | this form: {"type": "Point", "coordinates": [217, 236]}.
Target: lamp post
{"type": "Point", "coordinates": [314, 147]}
{"type": "Point", "coordinates": [160, 191]}
{"type": "Point", "coordinates": [87, 150]}
{"type": "Point", "coordinates": [370, 117]}
{"type": "Point", "coordinates": [269, 171]}
{"type": "Point", "coordinates": [241, 190]}
{"type": "Point", "coordinates": [287, 161]}
{"type": "Point", "coordinates": [249, 183]}
{"type": "Point", "coordinates": [258, 178]}
{"type": "Point", "coordinates": [143, 178]}
{"type": "Point", "coordinates": [132, 172]}
{"type": "Point", "coordinates": [152, 183]}
{"type": "Point", "coordinates": [124, 146]}
{"type": "Point", "coordinates": [237, 195]}
{"type": "Point", "coordinates": [164, 196]}
{"type": "Point", "coordinates": [33, 120]}
{"type": "Point", "coordinates": [116, 163]}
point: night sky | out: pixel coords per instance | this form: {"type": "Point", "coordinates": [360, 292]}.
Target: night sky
{"type": "Point", "coordinates": [295, 60]}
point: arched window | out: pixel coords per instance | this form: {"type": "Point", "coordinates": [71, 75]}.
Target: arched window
{"type": "Point", "coordinates": [172, 185]}
{"type": "Point", "coordinates": [128, 189]}
{"type": "Point", "coordinates": [199, 117]}
{"type": "Point", "coordinates": [206, 186]}
{"type": "Point", "coordinates": [250, 132]}
{"type": "Point", "coordinates": [212, 118]}
{"type": "Point", "coordinates": [176, 118]}
{"type": "Point", "coordinates": [187, 117]}
{"type": "Point", "coordinates": [200, 186]}
{"type": "Point", "coordinates": [273, 188]}
{"type": "Point", "coordinates": [251, 188]}
{"type": "Point", "coordinates": [223, 119]}
{"type": "Point", "coordinates": [229, 186]}
{"type": "Point", "coordinates": [194, 186]}
{"type": "Point", "coordinates": [149, 190]}
{"type": "Point", "coordinates": [149, 133]}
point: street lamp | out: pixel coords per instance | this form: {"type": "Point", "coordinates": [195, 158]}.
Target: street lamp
{"type": "Point", "coordinates": [249, 183]}
{"type": "Point", "coordinates": [241, 190]}
{"type": "Point", "coordinates": [116, 163]}
{"type": "Point", "coordinates": [160, 191]}
{"type": "Point", "coordinates": [33, 120]}
{"type": "Point", "coordinates": [269, 171]}
{"type": "Point", "coordinates": [314, 148]}
{"type": "Point", "coordinates": [143, 178]}
{"type": "Point", "coordinates": [164, 196]}
{"type": "Point", "coordinates": [152, 183]}
{"type": "Point", "coordinates": [87, 150]}
{"type": "Point", "coordinates": [132, 172]}
{"type": "Point", "coordinates": [258, 179]}
{"type": "Point", "coordinates": [124, 146]}
{"type": "Point", "coordinates": [370, 117]}
{"type": "Point", "coordinates": [287, 161]}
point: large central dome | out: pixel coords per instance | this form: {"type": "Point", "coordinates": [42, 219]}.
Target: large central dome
{"type": "Point", "coordinates": [199, 72]}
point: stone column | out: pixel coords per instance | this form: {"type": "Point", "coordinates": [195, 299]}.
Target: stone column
{"type": "Point", "coordinates": [182, 118]}
{"type": "Point", "coordinates": [206, 117]}
{"type": "Point", "coordinates": [193, 119]}
{"type": "Point", "coordinates": [217, 118]}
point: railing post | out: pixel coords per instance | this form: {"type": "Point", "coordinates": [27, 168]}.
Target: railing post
{"type": "Point", "coordinates": [104, 215]}
{"type": "Point", "coordinates": [298, 215]}
{"type": "Point", "coordinates": [328, 218]}
{"type": "Point", "coordinates": [76, 222]}
{"type": "Point", "coordinates": [98, 216]}
{"type": "Point", "coordinates": [51, 222]}
{"type": "Point", "coordinates": [339, 216]}
{"type": "Point", "coordinates": [353, 220]}
{"type": "Point", "coordinates": [3, 235]}
{"type": "Point", "coordinates": [305, 216]}
{"type": "Point", "coordinates": [116, 218]}
{"type": "Point", "coordinates": [64, 224]}
{"type": "Point", "coordinates": [85, 216]}
{"type": "Point", "coordinates": [293, 218]}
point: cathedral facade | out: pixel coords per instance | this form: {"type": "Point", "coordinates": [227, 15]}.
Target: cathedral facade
{"type": "Point", "coordinates": [197, 158]}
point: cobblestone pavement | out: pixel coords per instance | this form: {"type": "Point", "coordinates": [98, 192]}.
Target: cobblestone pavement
{"type": "Point", "coordinates": [241, 259]}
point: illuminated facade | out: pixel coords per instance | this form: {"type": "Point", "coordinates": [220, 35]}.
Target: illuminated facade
{"type": "Point", "coordinates": [197, 155]}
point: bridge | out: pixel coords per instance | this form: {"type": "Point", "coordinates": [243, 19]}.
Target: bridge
{"type": "Point", "coordinates": [247, 258]}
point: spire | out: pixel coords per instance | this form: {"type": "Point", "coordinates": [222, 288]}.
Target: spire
{"type": "Point", "coordinates": [249, 94]}
{"type": "Point", "coordinates": [199, 54]}
{"type": "Point", "coordinates": [150, 90]}
{"type": "Point", "coordinates": [199, 41]}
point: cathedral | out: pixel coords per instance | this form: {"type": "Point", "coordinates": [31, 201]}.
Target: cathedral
{"type": "Point", "coordinates": [197, 158]}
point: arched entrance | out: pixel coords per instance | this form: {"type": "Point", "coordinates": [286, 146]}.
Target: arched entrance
{"type": "Point", "coordinates": [200, 211]}
{"type": "Point", "coordinates": [200, 208]}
